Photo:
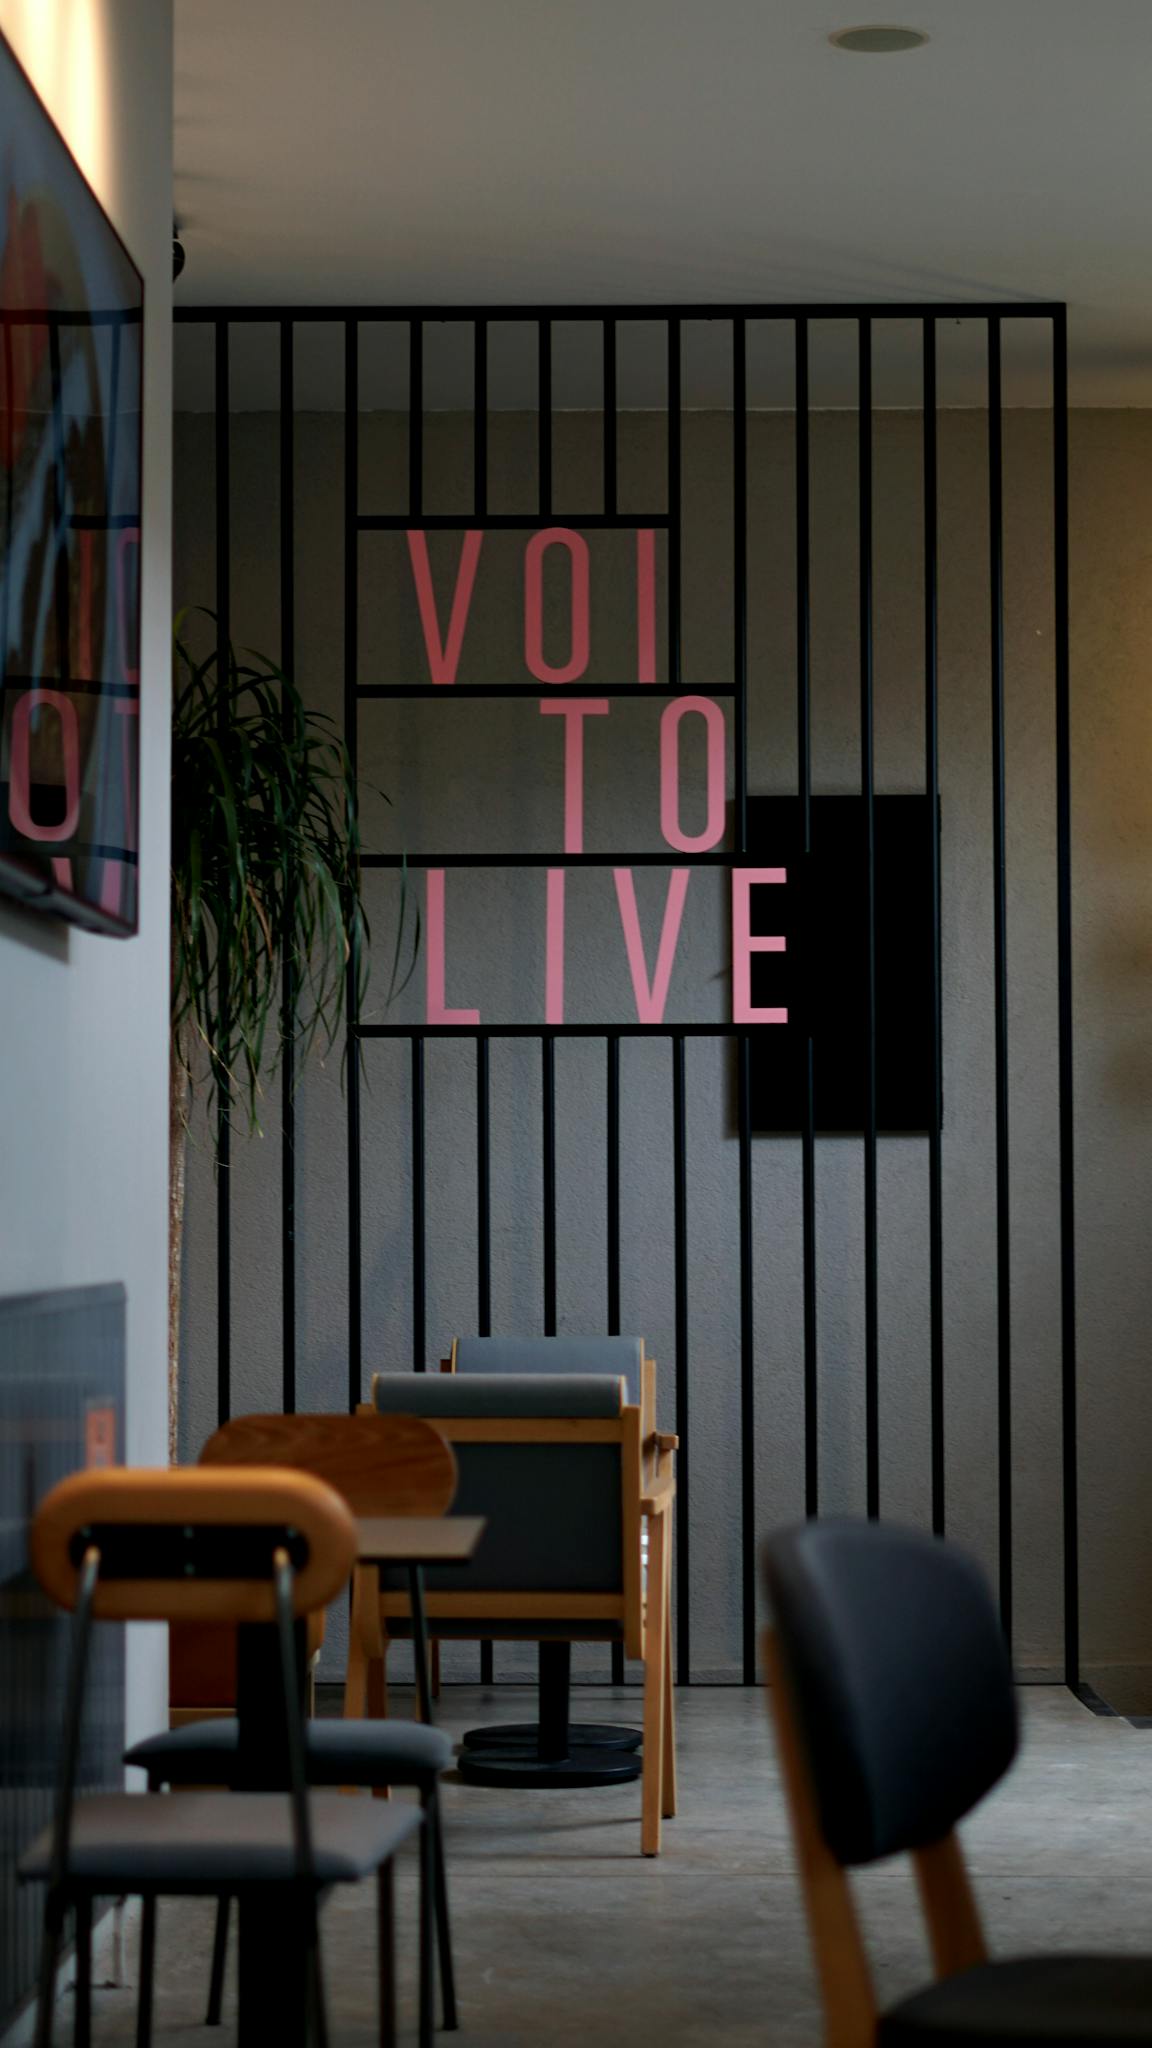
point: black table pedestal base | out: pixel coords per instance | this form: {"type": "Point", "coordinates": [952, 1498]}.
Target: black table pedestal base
{"type": "Point", "coordinates": [552, 1751]}
{"type": "Point", "coordinates": [526, 1734]}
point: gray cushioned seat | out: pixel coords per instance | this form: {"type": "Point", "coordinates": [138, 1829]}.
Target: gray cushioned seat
{"type": "Point", "coordinates": [337, 1753]}
{"type": "Point", "coordinates": [552, 1355]}
{"type": "Point", "coordinates": [212, 1840]}
{"type": "Point", "coordinates": [1074, 2001]}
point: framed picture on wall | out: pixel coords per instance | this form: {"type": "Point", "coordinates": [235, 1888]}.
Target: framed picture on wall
{"type": "Point", "coordinates": [71, 345]}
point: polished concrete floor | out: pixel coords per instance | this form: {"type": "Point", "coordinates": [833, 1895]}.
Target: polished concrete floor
{"type": "Point", "coordinates": [565, 1934]}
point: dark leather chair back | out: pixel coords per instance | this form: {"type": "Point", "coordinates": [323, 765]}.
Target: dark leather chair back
{"type": "Point", "coordinates": [901, 1681]}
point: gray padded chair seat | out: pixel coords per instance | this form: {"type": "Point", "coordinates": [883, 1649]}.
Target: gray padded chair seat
{"type": "Point", "coordinates": [552, 1355]}
{"type": "Point", "coordinates": [212, 1840]}
{"type": "Point", "coordinates": [336, 1753]}
{"type": "Point", "coordinates": [1032, 2002]}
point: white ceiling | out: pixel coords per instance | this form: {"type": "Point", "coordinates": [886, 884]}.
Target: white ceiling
{"type": "Point", "coordinates": [458, 152]}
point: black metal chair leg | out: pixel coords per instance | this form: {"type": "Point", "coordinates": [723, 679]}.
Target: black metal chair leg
{"type": "Point", "coordinates": [82, 2019]}
{"type": "Point", "coordinates": [427, 1977]}
{"type": "Point", "coordinates": [386, 1955]}
{"type": "Point", "coordinates": [49, 1958]}
{"type": "Point", "coordinates": [433, 1822]}
{"type": "Point", "coordinates": [316, 1978]}
{"type": "Point", "coordinates": [147, 1973]}
{"type": "Point", "coordinates": [219, 1962]}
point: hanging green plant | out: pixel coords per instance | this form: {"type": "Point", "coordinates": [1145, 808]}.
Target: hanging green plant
{"type": "Point", "coordinates": [265, 873]}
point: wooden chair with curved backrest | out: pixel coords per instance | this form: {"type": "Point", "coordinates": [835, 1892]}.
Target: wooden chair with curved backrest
{"type": "Point", "coordinates": [246, 1546]}
{"type": "Point", "coordinates": [380, 1465]}
{"type": "Point", "coordinates": [891, 1688]}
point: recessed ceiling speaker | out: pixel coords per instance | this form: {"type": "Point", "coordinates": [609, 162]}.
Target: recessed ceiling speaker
{"type": "Point", "coordinates": [878, 40]}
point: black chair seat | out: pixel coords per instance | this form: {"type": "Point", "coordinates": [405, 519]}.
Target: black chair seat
{"type": "Point", "coordinates": [1041, 2001]}
{"type": "Point", "coordinates": [336, 1753]}
{"type": "Point", "coordinates": [129, 1843]}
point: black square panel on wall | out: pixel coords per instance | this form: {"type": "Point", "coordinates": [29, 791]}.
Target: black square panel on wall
{"type": "Point", "coordinates": [821, 977]}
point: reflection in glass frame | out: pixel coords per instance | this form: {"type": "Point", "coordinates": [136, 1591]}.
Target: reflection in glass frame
{"type": "Point", "coordinates": [71, 347]}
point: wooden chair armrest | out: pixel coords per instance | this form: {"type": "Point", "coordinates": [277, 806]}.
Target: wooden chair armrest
{"type": "Point", "coordinates": [660, 1487]}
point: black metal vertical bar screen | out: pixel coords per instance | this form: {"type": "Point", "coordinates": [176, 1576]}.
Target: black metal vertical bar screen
{"type": "Point", "coordinates": [755, 1252]}
{"type": "Point", "coordinates": [351, 736]}
{"type": "Point", "coordinates": [932, 784]}
{"type": "Point", "coordinates": [748, 1531]}
{"type": "Point", "coordinates": [868, 791]}
{"type": "Point", "coordinates": [1063, 736]}
{"type": "Point", "coordinates": [804, 771]}
{"type": "Point", "coordinates": [1000, 971]}
{"type": "Point", "coordinates": [223, 1085]}
{"type": "Point", "coordinates": [288, 969]}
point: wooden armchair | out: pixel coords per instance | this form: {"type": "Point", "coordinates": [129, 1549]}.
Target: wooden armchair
{"type": "Point", "coordinates": [558, 1466]}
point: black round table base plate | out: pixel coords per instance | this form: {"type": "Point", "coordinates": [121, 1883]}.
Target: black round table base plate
{"type": "Point", "coordinates": [525, 1767]}
{"type": "Point", "coordinates": [525, 1734]}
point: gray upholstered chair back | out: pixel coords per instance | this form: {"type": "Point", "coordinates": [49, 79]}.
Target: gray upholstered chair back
{"type": "Point", "coordinates": [554, 1510]}
{"type": "Point", "coordinates": [619, 1355]}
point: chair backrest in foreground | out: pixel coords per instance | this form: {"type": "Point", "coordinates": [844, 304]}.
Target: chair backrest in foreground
{"type": "Point", "coordinates": [891, 1690]}
{"type": "Point", "coordinates": [186, 1543]}
{"type": "Point", "coordinates": [248, 1545]}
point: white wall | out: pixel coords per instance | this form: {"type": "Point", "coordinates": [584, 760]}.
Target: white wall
{"type": "Point", "coordinates": [83, 1020]}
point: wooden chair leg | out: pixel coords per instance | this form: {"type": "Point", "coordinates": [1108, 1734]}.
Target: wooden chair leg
{"type": "Point", "coordinates": [655, 1659]}
{"type": "Point", "coordinates": [377, 1704]}
{"type": "Point", "coordinates": [669, 1782]}
{"type": "Point", "coordinates": [356, 1681]}
{"type": "Point", "coordinates": [434, 1666]}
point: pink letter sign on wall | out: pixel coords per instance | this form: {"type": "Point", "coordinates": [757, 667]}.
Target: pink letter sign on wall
{"type": "Point", "coordinates": [562, 556]}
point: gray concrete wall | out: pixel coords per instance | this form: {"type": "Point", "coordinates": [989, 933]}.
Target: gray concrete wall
{"type": "Point", "coordinates": [489, 775]}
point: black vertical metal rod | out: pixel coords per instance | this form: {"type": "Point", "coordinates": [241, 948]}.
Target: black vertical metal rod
{"type": "Point", "coordinates": [548, 1112]}
{"type": "Point", "coordinates": [674, 501]}
{"type": "Point", "coordinates": [932, 784]}
{"type": "Point", "coordinates": [1000, 955]}
{"type": "Point", "coordinates": [480, 419]}
{"type": "Point", "coordinates": [611, 494]}
{"type": "Point", "coordinates": [544, 416]}
{"type": "Point", "coordinates": [748, 1530]}
{"type": "Point", "coordinates": [868, 789]}
{"type": "Point", "coordinates": [415, 418]}
{"type": "Point", "coordinates": [804, 773]}
{"type": "Point", "coordinates": [740, 576]}
{"type": "Point", "coordinates": [683, 1460]}
{"type": "Point", "coordinates": [613, 1189]}
{"type": "Point", "coordinates": [288, 962]}
{"type": "Point", "coordinates": [351, 736]}
{"type": "Point", "coordinates": [1064, 1002]}
{"type": "Point", "coordinates": [483, 1191]}
{"type": "Point", "coordinates": [419, 1237]}
{"type": "Point", "coordinates": [223, 1086]}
